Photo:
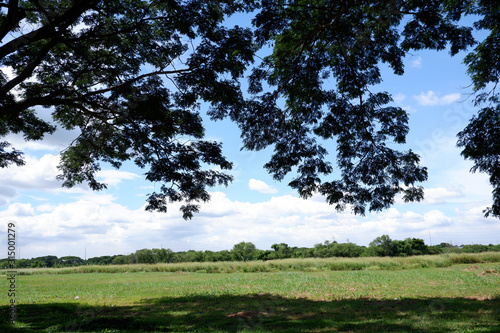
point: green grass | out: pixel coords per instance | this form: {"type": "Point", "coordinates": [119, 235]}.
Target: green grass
{"type": "Point", "coordinates": [458, 298]}
{"type": "Point", "coordinates": [288, 265]}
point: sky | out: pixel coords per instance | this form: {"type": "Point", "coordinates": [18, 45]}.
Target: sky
{"type": "Point", "coordinates": [435, 90]}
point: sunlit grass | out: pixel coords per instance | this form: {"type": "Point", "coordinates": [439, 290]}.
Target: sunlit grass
{"type": "Point", "coordinates": [480, 281]}
{"type": "Point", "coordinates": [458, 298]}
{"type": "Point", "coordinates": [307, 265]}
{"type": "Point", "coordinates": [127, 288]}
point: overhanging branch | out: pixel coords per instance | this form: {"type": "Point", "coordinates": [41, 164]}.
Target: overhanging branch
{"type": "Point", "coordinates": [61, 22]}
{"type": "Point", "coordinates": [50, 100]}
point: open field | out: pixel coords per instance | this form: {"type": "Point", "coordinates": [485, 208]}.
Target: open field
{"type": "Point", "coordinates": [456, 298]}
{"type": "Point", "coordinates": [288, 265]}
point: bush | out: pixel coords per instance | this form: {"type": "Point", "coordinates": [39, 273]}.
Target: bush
{"type": "Point", "coordinates": [473, 248]}
{"type": "Point", "coordinates": [465, 259]}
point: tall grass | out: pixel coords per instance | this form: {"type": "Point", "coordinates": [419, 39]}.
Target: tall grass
{"type": "Point", "coordinates": [305, 265]}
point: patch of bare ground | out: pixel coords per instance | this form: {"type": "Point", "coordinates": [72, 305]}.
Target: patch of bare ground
{"type": "Point", "coordinates": [479, 298]}
{"type": "Point", "coordinates": [247, 314]}
{"type": "Point", "coordinates": [489, 272]}
{"type": "Point", "coordinates": [471, 268]}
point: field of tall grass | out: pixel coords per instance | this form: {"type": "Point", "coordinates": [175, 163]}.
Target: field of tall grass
{"type": "Point", "coordinates": [453, 293]}
{"type": "Point", "coordinates": [285, 265]}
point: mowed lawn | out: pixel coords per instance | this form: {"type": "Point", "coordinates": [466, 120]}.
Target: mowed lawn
{"type": "Point", "coordinates": [460, 298]}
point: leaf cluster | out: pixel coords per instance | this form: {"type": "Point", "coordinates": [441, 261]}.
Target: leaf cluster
{"type": "Point", "coordinates": [130, 76]}
{"type": "Point", "coordinates": [317, 86]}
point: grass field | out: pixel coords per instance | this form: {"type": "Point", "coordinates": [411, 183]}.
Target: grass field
{"type": "Point", "coordinates": [287, 265]}
{"type": "Point", "coordinates": [454, 298]}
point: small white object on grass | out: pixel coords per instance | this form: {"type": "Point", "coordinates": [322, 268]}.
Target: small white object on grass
{"type": "Point", "coordinates": [77, 297]}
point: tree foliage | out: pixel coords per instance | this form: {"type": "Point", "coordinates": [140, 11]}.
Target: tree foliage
{"type": "Point", "coordinates": [243, 251]}
{"type": "Point", "coordinates": [480, 140]}
{"type": "Point", "coordinates": [319, 84]}
{"type": "Point", "coordinates": [130, 75]}
{"type": "Point", "coordinates": [246, 251]}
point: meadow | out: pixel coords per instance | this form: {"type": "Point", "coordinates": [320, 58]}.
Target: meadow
{"type": "Point", "coordinates": [413, 294]}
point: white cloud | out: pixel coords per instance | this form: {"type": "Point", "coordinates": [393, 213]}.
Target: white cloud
{"type": "Point", "coordinates": [112, 228]}
{"type": "Point", "coordinates": [19, 210]}
{"type": "Point", "coordinates": [406, 224]}
{"type": "Point", "coordinates": [441, 195]}
{"type": "Point", "coordinates": [260, 186]}
{"type": "Point", "coordinates": [56, 142]}
{"type": "Point", "coordinates": [436, 218]}
{"type": "Point", "coordinates": [40, 175]}
{"type": "Point", "coordinates": [114, 177]}
{"type": "Point", "coordinates": [36, 174]}
{"type": "Point", "coordinates": [430, 98]}
{"type": "Point", "coordinates": [104, 227]}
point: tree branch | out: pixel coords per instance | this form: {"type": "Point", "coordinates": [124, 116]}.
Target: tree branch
{"type": "Point", "coordinates": [105, 90]}
{"type": "Point", "coordinates": [61, 21]}
{"type": "Point", "coordinates": [28, 70]}
{"type": "Point", "coordinates": [49, 100]}
{"type": "Point", "coordinates": [14, 16]}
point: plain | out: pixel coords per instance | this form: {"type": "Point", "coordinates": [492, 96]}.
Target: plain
{"type": "Point", "coordinates": [453, 298]}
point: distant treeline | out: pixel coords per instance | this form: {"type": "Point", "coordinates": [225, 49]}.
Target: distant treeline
{"type": "Point", "coordinates": [382, 246]}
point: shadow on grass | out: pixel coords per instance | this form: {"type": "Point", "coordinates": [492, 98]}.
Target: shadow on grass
{"type": "Point", "coordinates": [261, 313]}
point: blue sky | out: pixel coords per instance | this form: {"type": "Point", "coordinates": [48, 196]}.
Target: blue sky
{"type": "Point", "coordinates": [51, 220]}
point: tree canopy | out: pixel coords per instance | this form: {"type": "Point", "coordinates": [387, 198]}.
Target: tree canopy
{"type": "Point", "coordinates": [130, 75]}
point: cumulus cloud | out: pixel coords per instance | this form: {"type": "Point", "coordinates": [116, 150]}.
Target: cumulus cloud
{"type": "Point", "coordinates": [40, 175]}
{"type": "Point", "coordinates": [260, 186]}
{"type": "Point", "coordinates": [441, 195]}
{"type": "Point", "coordinates": [430, 98]}
{"type": "Point", "coordinates": [104, 227]}
{"type": "Point", "coordinates": [36, 174]}
{"type": "Point", "coordinates": [114, 177]}
{"type": "Point", "coordinates": [19, 210]}
{"type": "Point", "coordinates": [403, 224]}
{"type": "Point", "coordinates": [112, 228]}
